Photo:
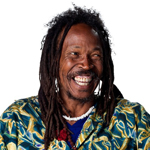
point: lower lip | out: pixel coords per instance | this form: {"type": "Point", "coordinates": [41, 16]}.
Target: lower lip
{"type": "Point", "coordinates": [83, 85]}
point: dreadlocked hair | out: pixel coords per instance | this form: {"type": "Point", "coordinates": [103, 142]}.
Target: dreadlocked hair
{"type": "Point", "coordinates": [50, 102]}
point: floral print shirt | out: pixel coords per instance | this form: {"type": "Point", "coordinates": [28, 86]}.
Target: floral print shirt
{"type": "Point", "coordinates": [21, 128]}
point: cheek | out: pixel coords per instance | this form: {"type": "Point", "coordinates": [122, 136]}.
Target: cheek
{"type": "Point", "coordinates": [99, 69]}
{"type": "Point", "coordinates": [63, 71]}
{"type": "Point", "coordinates": [66, 66]}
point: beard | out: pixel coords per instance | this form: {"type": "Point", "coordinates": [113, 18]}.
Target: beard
{"type": "Point", "coordinates": [70, 76]}
{"type": "Point", "coordinates": [81, 100]}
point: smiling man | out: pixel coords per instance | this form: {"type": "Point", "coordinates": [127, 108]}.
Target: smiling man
{"type": "Point", "coordinates": [68, 113]}
{"type": "Point", "coordinates": [81, 64]}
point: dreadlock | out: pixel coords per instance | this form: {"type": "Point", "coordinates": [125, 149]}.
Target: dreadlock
{"type": "Point", "coordinates": [50, 102]}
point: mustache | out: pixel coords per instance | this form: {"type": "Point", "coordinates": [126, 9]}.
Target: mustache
{"type": "Point", "coordinates": [82, 72]}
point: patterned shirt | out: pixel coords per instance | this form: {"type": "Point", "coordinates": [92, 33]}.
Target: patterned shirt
{"type": "Point", "coordinates": [21, 128]}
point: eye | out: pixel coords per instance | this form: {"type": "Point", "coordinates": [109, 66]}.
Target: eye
{"type": "Point", "coordinates": [74, 53]}
{"type": "Point", "coordinates": [96, 56]}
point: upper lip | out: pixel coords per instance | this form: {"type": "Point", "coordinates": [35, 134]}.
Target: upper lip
{"type": "Point", "coordinates": [82, 73]}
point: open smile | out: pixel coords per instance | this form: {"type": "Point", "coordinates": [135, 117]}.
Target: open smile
{"type": "Point", "coordinates": [83, 80]}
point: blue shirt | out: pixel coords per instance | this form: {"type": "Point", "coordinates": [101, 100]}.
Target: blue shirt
{"type": "Point", "coordinates": [76, 129]}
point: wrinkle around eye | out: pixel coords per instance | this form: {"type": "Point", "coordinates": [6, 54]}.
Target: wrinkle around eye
{"type": "Point", "coordinates": [73, 54]}
{"type": "Point", "coordinates": [97, 57]}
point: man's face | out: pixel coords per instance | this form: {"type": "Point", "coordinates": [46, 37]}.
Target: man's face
{"type": "Point", "coordinates": [81, 63]}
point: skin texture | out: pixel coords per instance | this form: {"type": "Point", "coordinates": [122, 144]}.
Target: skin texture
{"type": "Point", "coordinates": [81, 58]}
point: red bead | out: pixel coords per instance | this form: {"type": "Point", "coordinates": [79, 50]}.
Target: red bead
{"type": "Point", "coordinates": [69, 140]}
{"type": "Point", "coordinates": [69, 136]}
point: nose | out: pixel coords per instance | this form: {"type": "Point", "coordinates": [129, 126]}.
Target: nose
{"type": "Point", "coordinates": [86, 63]}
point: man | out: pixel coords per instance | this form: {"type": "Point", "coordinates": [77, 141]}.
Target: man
{"type": "Point", "coordinates": [67, 113]}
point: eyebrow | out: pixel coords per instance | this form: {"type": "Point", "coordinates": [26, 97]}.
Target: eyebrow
{"type": "Point", "coordinates": [76, 46]}
{"type": "Point", "coordinates": [97, 48]}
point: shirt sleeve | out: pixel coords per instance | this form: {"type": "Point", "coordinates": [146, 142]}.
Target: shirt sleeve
{"type": "Point", "coordinates": [143, 129]}
{"type": "Point", "coordinates": [8, 131]}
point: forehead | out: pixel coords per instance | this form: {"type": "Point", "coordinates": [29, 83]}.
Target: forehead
{"type": "Point", "coordinates": [82, 32]}
{"type": "Point", "coordinates": [82, 28]}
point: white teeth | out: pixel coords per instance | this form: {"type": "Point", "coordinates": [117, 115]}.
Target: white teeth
{"type": "Point", "coordinates": [82, 83]}
{"type": "Point", "coordinates": [85, 80]}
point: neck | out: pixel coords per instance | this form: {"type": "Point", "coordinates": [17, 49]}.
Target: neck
{"type": "Point", "coordinates": [77, 109]}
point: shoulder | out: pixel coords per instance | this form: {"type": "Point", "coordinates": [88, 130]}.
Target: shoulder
{"type": "Point", "coordinates": [21, 123]}
{"type": "Point", "coordinates": [26, 106]}
{"type": "Point", "coordinates": [125, 105]}
{"type": "Point", "coordinates": [130, 121]}
{"type": "Point", "coordinates": [19, 115]}
{"type": "Point", "coordinates": [131, 111]}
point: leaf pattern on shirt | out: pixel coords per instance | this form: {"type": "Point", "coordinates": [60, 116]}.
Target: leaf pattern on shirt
{"type": "Point", "coordinates": [21, 128]}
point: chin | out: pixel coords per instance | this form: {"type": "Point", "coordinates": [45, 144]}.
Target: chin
{"type": "Point", "coordinates": [81, 99]}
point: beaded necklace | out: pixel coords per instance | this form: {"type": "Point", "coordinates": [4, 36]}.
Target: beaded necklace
{"type": "Point", "coordinates": [80, 117]}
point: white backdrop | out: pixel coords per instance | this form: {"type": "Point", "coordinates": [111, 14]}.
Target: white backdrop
{"type": "Point", "coordinates": [22, 29]}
